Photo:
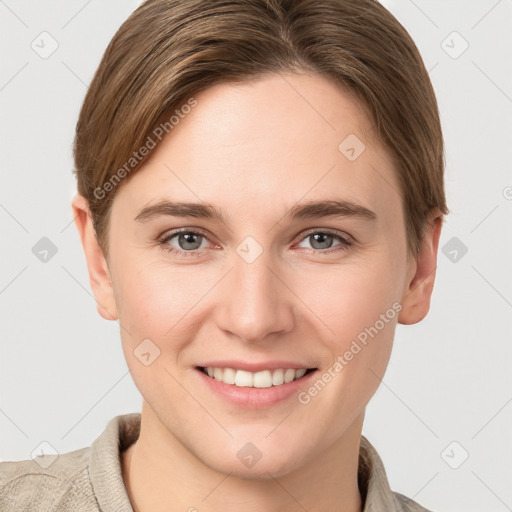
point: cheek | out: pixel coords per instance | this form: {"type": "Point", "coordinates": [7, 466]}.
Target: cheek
{"type": "Point", "coordinates": [358, 308]}
{"type": "Point", "coordinates": [163, 304]}
{"type": "Point", "coordinates": [155, 304]}
{"type": "Point", "coordinates": [160, 300]}
{"type": "Point", "coordinates": [350, 297]}
{"type": "Point", "coordinates": [153, 295]}
{"type": "Point", "coordinates": [359, 317]}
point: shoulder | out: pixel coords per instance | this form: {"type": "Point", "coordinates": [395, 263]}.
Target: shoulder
{"type": "Point", "coordinates": [373, 481]}
{"type": "Point", "coordinates": [407, 504]}
{"type": "Point", "coordinates": [47, 483]}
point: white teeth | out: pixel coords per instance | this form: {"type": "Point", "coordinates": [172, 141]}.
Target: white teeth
{"type": "Point", "coordinates": [300, 373]}
{"type": "Point", "coordinates": [229, 376]}
{"type": "Point", "coordinates": [289, 375]}
{"type": "Point", "coordinates": [242, 378]}
{"type": "Point", "coordinates": [263, 379]}
{"type": "Point", "coordinates": [277, 377]}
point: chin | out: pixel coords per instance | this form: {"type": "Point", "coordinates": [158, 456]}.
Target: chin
{"type": "Point", "coordinates": [261, 460]}
{"type": "Point", "coordinates": [262, 470]}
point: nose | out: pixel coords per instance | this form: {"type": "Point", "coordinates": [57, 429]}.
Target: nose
{"type": "Point", "coordinates": [255, 301]}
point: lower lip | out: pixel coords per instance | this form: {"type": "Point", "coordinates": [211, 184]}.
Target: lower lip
{"type": "Point", "coordinates": [255, 398]}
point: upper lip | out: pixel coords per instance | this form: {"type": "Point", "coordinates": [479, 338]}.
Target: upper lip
{"type": "Point", "coordinates": [255, 367]}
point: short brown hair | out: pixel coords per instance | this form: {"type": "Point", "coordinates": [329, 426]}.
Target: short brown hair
{"type": "Point", "coordinates": [169, 50]}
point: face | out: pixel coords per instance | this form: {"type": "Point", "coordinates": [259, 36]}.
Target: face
{"type": "Point", "coordinates": [268, 284]}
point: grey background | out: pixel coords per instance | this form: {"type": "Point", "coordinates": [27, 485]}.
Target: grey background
{"type": "Point", "coordinates": [62, 371]}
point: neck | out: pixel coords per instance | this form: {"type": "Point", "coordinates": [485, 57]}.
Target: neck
{"type": "Point", "coordinates": [160, 473]}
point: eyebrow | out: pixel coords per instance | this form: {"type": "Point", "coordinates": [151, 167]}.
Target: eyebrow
{"type": "Point", "coordinates": [308, 210]}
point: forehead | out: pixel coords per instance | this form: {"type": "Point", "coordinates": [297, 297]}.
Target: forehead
{"type": "Point", "coordinates": [275, 140]}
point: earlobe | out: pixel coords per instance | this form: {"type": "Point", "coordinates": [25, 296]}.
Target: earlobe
{"type": "Point", "coordinates": [99, 275]}
{"type": "Point", "coordinates": [416, 298]}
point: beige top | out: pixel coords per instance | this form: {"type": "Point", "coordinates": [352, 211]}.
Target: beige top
{"type": "Point", "coordinates": [90, 479]}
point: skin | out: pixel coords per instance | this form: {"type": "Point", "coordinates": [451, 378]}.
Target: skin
{"type": "Point", "coordinates": [254, 150]}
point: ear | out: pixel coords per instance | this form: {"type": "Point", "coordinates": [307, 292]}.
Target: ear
{"type": "Point", "coordinates": [416, 298]}
{"type": "Point", "coordinates": [99, 276]}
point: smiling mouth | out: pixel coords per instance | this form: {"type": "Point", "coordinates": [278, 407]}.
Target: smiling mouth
{"type": "Point", "coordinates": [262, 379]}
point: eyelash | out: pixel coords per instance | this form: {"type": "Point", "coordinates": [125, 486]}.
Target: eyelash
{"type": "Point", "coordinates": [163, 242]}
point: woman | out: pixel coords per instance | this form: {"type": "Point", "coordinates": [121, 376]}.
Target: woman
{"type": "Point", "coordinates": [260, 199]}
